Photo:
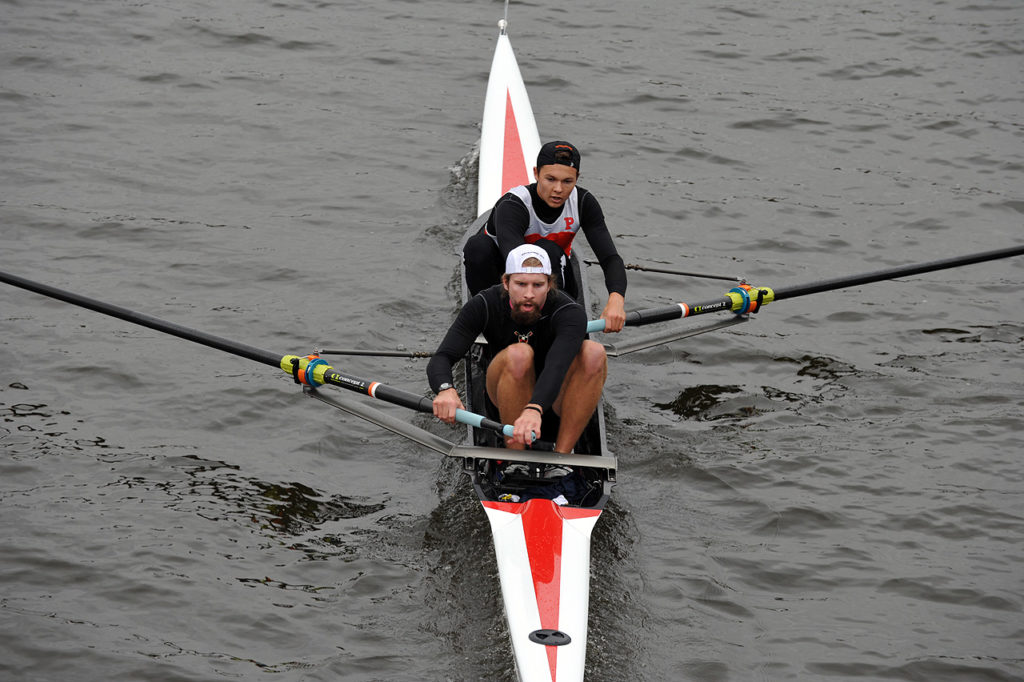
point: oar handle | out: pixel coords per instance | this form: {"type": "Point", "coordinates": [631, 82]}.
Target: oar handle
{"type": "Point", "coordinates": [480, 421]}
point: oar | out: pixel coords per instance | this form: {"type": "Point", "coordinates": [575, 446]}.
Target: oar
{"type": "Point", "coordinates": [311, 371]}
{"type": "Point", "coordinates": [747, 299]}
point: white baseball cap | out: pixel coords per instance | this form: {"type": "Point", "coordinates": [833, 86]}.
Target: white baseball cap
{"type": "Point", "coordinates": [514, 262]}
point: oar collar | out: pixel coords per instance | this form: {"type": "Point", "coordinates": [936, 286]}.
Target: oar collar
{"type": "Point", "coordinates": [748, 299]}
{"type": "Point", "coordinates": [309, 370]}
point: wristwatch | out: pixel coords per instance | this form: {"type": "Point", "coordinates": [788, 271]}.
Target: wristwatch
{"type": "Point", "coordinates": [444, 387]}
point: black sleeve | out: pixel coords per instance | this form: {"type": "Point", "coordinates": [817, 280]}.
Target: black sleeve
{"type": "Point", "coordinates": [511, 219]}
{"type": "Point", "coordinates": [467, 326]}
{"type": "Point", "coordinates": [570, 324]}
{"type": "Point", "coordinates": [600, 240]}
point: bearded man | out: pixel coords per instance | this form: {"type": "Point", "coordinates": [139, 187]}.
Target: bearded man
{"type": "Point", "coordinates": [540, 358]}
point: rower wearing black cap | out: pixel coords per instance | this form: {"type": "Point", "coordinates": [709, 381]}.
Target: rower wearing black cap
{"type": "Point", "coordinates": [549, 213]}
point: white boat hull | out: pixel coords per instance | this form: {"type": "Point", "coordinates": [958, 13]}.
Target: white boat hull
{"type": "Point", "coordinates": [543, 554]}
{"type": "Point", "coordinates": [509, 140]}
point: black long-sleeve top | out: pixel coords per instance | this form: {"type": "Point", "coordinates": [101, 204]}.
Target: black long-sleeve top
{"type": "Point", "coordinates": [556, 338]}
{"type": "Point", "coordinates": [510, 218]}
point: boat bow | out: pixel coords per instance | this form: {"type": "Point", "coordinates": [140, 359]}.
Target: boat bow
{"type": "Point", "coordinates": [509, 140]}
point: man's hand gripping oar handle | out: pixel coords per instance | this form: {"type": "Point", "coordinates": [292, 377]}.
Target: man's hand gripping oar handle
{"type": "Point", "coordinates": [314, 371]}
{"type": "Point", "coordinates": [741, 300]}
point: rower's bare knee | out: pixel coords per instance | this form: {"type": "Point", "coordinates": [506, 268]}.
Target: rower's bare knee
{"type": "Point", "coordinates": [593, 359]}
{"type": "Point", "coordinates": [519, 360]}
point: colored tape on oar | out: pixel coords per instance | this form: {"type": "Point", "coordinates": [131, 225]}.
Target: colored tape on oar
{"type": "Point", "coordinates": [308, 370]}
{"type": "Point", "coordinates": [748, 299]}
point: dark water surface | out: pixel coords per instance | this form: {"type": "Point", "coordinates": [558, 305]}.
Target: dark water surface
{"type": "Point", "coordinates": [831, 491]}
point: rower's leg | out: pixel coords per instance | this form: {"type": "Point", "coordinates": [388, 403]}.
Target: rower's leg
{"type": "Point", "coordinates": [510, 381]}
{"type": "Point", "coordinates": [567, 277]}
{"type": "Point", "coordinates": [484, 264]}
{"type": "Point", "coordinates": [581, 391]}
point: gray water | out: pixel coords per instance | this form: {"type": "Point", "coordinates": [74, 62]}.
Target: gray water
{"type": "Point", "coordinates": [833, 490]}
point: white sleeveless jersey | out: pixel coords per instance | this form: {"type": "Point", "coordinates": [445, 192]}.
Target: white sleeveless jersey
{"type": "Point", "coordinates": [562, 231]}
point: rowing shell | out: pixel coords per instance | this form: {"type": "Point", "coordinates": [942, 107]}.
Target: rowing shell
{"type": "Point", "coordinates": [509, 141]}
{"type": "Point", "coordinates": [542, 549]}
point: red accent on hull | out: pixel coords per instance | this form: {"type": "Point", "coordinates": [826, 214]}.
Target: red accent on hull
{"type": "Point", "coordinates": [513, 170]}
{"type": "Point", "coordinates": [570, 513]}
{"type": "Point", "coordinates": [542, 526]}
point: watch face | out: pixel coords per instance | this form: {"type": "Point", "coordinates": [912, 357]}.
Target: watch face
{"type": "Point", "coordinates": [443, 387]}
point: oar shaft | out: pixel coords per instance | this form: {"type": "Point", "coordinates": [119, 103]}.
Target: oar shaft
{"type": "Point", "coordinates": [419, 403]}
{"type": "Point", "coordinates": [329, 374]}
{"type": "Point", "coordinates": [244, 350]}
{"type": "Point", "coordinates": [638, 318]}
{"type": "Point", "coordinates": [738, 300]}
{"type": "Point", "coordinates": [893, 273]}
{"type": "Point", "coordinates": [375, 389]}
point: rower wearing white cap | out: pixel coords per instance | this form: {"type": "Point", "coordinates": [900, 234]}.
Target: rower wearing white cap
{"type": "Point", "coordinates": [540, 357]}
